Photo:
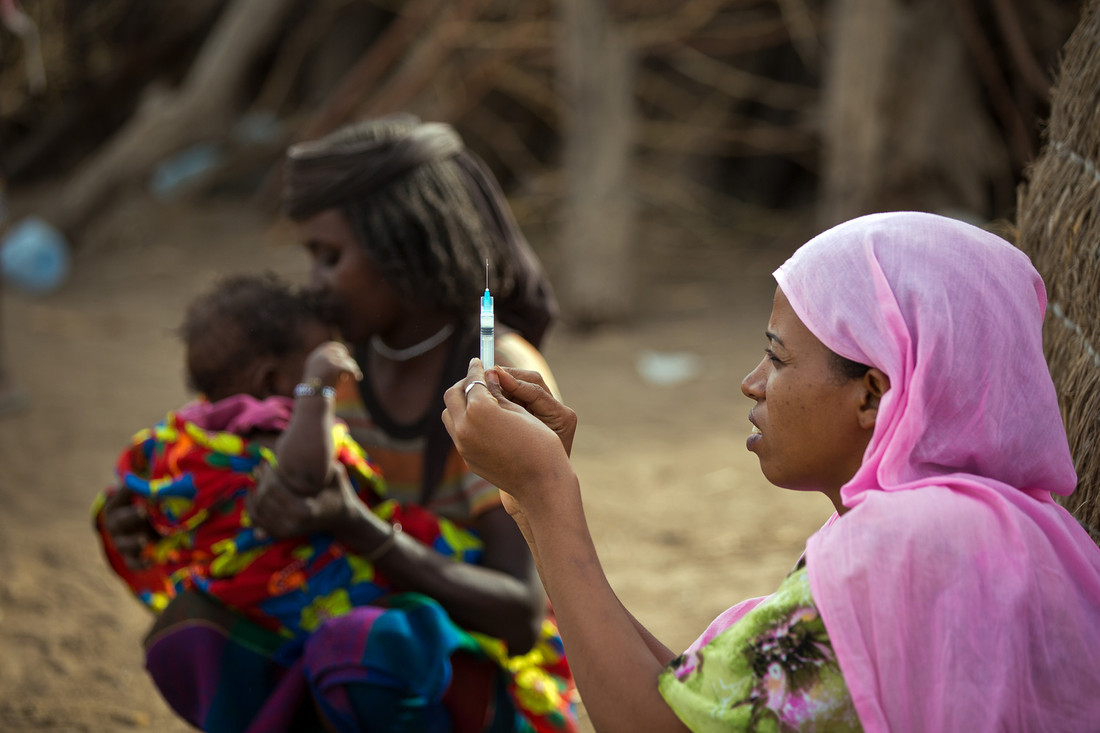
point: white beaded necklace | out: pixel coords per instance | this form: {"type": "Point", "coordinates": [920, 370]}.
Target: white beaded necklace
{"type": "Point", "coordinates": [413, 351]}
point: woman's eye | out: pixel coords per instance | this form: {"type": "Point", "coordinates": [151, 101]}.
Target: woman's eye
{"type": "Point", "coordinates": [772, 357]}
{"type": "Point", "coordinates": [323, 254]}
{"type": "Point", "coordinates": [326, 256]}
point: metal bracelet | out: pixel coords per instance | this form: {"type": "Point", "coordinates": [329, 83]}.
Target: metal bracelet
{"type": "Point", "coordinates": [312, 388]}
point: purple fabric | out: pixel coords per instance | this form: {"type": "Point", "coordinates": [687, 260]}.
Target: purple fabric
{"type": "Point", "coordinates": [390, 666]}
{"type": "Point", "coordinates": [239, 414]}
{"type": "Point", "coordinates": [220, 679]}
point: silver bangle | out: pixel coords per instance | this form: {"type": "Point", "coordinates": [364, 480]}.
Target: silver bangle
{"type": "Point", "coordinates": [312, 388]}
{"type": "Point", "coordinates": [387, 544]}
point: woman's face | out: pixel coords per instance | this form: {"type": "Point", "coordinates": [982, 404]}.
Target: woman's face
{"type": "Point", "coordinates": [361, 301]}
{"type": "Point", "coordinates": [810, 423]}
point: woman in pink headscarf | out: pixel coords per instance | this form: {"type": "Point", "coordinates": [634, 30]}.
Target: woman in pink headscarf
{"type": "Point", "coordinates": [904, 378]}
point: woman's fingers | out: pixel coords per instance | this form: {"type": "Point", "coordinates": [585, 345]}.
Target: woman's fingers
{"type": "Point", "coordinates": [123, 519]}
{"type": "Point", "coordinates": [525, 389]}
{"type": "Point", "coordinates": [501, 441]}
{"type": "Point", "coordinates": [128, 526]}
{"type": "Point", "coordinates": [271, 506]}
{"type": "Point", "coordinates": [514, 381]}
{"type": "Point", "coordinates": [478, 384]}
{"type": "Point", "coordinates": [279, 512]}
{"type": "Point", "coordinates": [122, 516]}
{"type": "Point", "coordinates": [512, 389]}
{"type": "Point", "coordinates": [528, 389]}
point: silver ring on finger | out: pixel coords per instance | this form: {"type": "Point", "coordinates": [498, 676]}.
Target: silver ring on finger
{"type": "Point", "coordinates": [470, 386]}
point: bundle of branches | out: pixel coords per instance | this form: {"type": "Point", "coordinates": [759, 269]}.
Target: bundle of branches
{"type": "Point", "coordinates": [724, 96]}
{"type": "Point", "coordinates": [1059, 227]}
{"type": "Point", "coordinates": [711, 78]}
{"type": "Point", "coordinates": [1013, 47]}
{"type": "Point", "coordinates": [71, 73]}
{"type": "Point", "coordinates": [923, 114]}
{"type": "Point", "coordinates": [588, 110]}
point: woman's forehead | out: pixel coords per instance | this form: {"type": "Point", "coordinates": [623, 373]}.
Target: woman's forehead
{"type": "Point", "coordinates": [329, 225]}
{"type": "Point", "coordinates": [787, 330]}
{"type": "Point", "coordinates": [781, 313]}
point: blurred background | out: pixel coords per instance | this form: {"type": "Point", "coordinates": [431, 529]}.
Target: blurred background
{"type": "Point", "coordinates": [697, 116]}
{"type": "Point", "coordinates": [663, 156]}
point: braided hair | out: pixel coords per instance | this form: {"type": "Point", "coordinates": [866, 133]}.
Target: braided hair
{"type": "Point", "coordinates": [428, 213]}
{"type": "Point", "coordinates": [423, 230]}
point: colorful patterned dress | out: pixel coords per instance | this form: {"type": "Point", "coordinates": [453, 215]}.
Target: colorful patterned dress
{"type": "Point", "coordinates": [302, 617]}
{"type": "Point", "coordinates": [772, 669]}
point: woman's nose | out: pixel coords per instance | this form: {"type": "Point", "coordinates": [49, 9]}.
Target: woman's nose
{"type": "Point", "coordinates": [317, 281]}
{"type": "Point", "coordinates": [752, 386]}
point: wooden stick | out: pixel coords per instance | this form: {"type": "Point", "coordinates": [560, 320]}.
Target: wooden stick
{"type": "Point", "coordinates": [506, 143]}
{"type": "Point", "coordinates": [203, 108]}
{"type": "Point", "coordinates": [378, 59]}
{"type": "Point", "coordinates": [739, 84]}
{"type": "Point", "coordinates": [419, 67]}
{"type": "Point", "coordinates": [289, 61]}
{"type": "Point", "coordinates": [756, 138]}
{"type": "Point", "coordinates": [1009, 22]}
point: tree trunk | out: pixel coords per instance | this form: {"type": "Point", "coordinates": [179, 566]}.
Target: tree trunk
{"type": "Point", "coordinates": [203, 108]}
{"type": "Point", "coordinates": [904, 124]}
{"type": "Point", "coordinates": [594, 274]}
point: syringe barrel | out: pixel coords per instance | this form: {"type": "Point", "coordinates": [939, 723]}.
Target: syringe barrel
{"type": "Point", "coordinates": [488, 347]}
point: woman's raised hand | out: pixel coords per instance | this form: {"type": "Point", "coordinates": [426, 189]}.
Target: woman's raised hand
{"type": "Point", "coordinates": [509, 429]}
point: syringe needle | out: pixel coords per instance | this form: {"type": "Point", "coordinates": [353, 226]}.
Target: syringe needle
{"type": "Point", "coordinates": [488, 349]}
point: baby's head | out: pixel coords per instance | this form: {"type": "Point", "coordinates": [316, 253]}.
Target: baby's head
{"type": "Point", "coordinates": [249, 334]}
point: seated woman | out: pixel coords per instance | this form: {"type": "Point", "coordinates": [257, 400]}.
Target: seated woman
{"type": "Point", "coordinates": [266, 373]}
{"type": "Point", "coordinates": [398, 219]}
{"type": "Point", "coordinates": [904, 378]}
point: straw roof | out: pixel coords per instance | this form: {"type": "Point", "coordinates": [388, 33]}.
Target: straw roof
{"type": "Point", "coordinates": [1059, 227]}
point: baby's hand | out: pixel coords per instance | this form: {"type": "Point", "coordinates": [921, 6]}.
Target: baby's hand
{"type": "Point", "coordinates": [329, 363]}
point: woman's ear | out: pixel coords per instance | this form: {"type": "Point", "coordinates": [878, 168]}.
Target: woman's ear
{"type": "Point", "coordinates": [875, 384]}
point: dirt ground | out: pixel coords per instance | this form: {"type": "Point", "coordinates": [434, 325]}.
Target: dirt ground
{"type": "Point", "coordinates": [684, 522]}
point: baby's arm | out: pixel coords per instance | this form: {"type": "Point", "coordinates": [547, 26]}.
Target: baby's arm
{"type": "Point", "coordinates": [305, 452]}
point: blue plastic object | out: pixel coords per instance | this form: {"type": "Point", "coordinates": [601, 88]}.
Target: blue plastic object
{"type": "Point", "coordinates": [184, 167]}
{"type": "Point", "coordinates": [34, 256]}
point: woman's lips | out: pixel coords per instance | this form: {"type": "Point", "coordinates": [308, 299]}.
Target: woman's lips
{"type": "Point", "coordinates": [754, 437]}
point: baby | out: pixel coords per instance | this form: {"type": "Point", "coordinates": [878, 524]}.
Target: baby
{"type": "Point", "coordinates": [266, 370]}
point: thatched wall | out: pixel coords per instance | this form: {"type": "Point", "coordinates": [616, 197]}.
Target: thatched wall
{"type": "Point", "coordinates": [1059, 227]}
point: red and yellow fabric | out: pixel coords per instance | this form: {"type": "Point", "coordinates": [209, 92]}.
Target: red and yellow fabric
{"type": "Point", "coordinates": [193, 482]}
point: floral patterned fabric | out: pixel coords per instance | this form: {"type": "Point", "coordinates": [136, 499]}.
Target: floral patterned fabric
{"type": "Point", "coordinates": [772, 670]}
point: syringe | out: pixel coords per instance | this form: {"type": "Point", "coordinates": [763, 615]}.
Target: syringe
{"type": "Point", "coordinates": [488, 348]}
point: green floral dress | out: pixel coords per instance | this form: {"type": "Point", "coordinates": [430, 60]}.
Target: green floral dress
{"type": "Point", "coordinates": [771, 670]}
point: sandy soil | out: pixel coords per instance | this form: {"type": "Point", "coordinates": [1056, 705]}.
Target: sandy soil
{"type": "Point", "coordinates": [685, 524]}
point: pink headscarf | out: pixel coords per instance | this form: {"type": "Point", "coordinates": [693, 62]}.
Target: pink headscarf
{"type": "Point", "coordinates": [958, 596]}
